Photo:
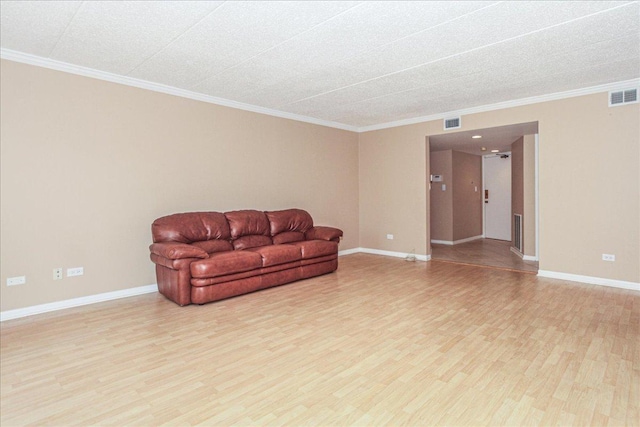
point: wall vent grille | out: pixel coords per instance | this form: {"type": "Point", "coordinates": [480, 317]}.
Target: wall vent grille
{"type": "Point", "coordinates": [452, 123]}
{"type": "Point", "coordinates": [621, 97]}
{"type": "Point", "coordinates": [517, 232]}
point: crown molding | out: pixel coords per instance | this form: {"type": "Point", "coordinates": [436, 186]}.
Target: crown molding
{"type": "Point", "coordinates": [39, 61]}
{"type": "Point", "coordinates": [626, 84]}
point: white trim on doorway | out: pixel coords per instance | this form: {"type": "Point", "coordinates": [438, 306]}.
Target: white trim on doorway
{"type": "Point", "coordinates": [537, 198]}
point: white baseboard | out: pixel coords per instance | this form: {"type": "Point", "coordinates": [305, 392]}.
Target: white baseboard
{"type": "Point", "coordinates": [124, 293]}
{"type": "Point", "coordinates": [456, 242]}
{"type": "Point", "coordinates": [468, 239]}
{"type": "Point", "coordinates": [442, 242]}
{"type": "Point", "coordinates": [590, 280]}
{"type": "Point", "coordinates": [517, 252]}
{"type": "Point", "coordinates": [393, 254]}
{"type": "Point", "coordinates": [76, 302]}
{"type": "Point", "coordinates": [349, 251]}
{"type": "Point", "coordinates": [383, 253]}
{"type": "Point", "coordinates": [523, 256]}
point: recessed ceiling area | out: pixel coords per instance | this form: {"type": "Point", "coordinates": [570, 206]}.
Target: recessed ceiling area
{"type": "Point", "coordinates": [353, 64]}
{"type": "Point", "coordinates": [497, 138]}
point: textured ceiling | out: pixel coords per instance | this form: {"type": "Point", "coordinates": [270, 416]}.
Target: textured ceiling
{"type": "Point", "coordinates": [355, 63]}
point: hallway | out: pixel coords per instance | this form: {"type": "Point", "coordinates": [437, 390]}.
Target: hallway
{"type": "Point", "coordinates": [487, 252]}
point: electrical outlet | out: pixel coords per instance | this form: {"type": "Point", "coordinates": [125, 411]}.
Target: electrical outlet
{"type": "Point", "coordinates": [76, 271]}
{"type": "Point", "coordinates": [389, 236]}
{"type": "Point", "coordinates": [57, 273]}
{"type": "Point", "coordinates": [608, 257]}
{"type": "Point", "coordinates": [18, 280]}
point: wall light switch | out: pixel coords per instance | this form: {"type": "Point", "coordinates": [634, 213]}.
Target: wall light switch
{"type": "Point", "coordinates": [608, 257]}
{"type": "Point", "coordinates": [76, 271]}
{"type": "Point", "coordinates": [19, 280]}
{"type": "Point", "coordinates": [444, 187]}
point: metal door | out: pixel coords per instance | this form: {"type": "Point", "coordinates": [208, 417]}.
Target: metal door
{"type": "Point", "coordinates": [497, 197]}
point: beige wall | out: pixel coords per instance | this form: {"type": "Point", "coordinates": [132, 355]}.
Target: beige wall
{"type": "Point", "coordinates": [87, 165]}
{"type": "Point", "coordinates": [467, 202]}
{"type": "Point", "coordinates": [442, 201]}
{"type": "Point", "coordinates": [529, 195]}
{"type": "Point", "coordinates": [517, 186]}
{"type": "Point", "coordinates": [589, 183]}
{"type": "Point", "coordinates": [523, 191]}
{"type": "Point", "coordinates": [393, 189]}
{"type": "Point", "coordinates": [456, 213]}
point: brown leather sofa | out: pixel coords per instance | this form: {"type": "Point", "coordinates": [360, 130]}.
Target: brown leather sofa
{"type": "Point", "coordinates": [207, 256]}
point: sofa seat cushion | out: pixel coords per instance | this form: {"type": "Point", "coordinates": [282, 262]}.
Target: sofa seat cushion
{"type": "Point", "coordinates": [277, 254]}
{"type": "Point", "coordinates": [316, 248]}
{"type": "Point", "coordinates": [223, 263]}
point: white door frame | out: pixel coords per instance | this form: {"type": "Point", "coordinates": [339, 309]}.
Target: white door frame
{"type": "Point", "coordinates": [537, 198]}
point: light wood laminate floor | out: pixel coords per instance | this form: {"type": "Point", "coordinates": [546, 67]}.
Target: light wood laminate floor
{"type": "Point", "coordinates": [382, 341]}
{"type": "Point", "coordinates": [485, 252]}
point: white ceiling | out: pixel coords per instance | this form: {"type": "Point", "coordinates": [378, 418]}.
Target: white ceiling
{"type": "Point", "coordinates": [358, 64]}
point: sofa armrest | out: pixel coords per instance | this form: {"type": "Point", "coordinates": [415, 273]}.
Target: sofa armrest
{"type": "Point", "coordinates": [323, 233]}
{"type": "Point", "coordinates": [177, 250]}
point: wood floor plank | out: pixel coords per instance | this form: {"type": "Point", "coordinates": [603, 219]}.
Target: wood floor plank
{"type": "Point", "coordinates": [380, 342]}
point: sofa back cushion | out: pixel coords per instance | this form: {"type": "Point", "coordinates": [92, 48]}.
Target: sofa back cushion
{"type": "Point", "coordinates": [289, 225]}
{"type": "Point", "coordinates": [191, 227]}
{"type": "Point", "coordinates": [249, 229]}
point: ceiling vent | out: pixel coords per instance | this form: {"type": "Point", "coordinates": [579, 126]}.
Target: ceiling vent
{"type": "Point", "coordinates": [452, 123]}
{"type": "Point", "coordinates": [622, 97]}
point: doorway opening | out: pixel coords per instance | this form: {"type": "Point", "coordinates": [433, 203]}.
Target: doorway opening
{"type": "Point", "coordinates": [483, 197]}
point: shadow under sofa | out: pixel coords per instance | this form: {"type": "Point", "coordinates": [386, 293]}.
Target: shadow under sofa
{"type": "Point", "coordinates": [202, 257]}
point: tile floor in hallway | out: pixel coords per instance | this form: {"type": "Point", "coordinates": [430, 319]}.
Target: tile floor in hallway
{"type": "Point", "coordinates": [486, 252]}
